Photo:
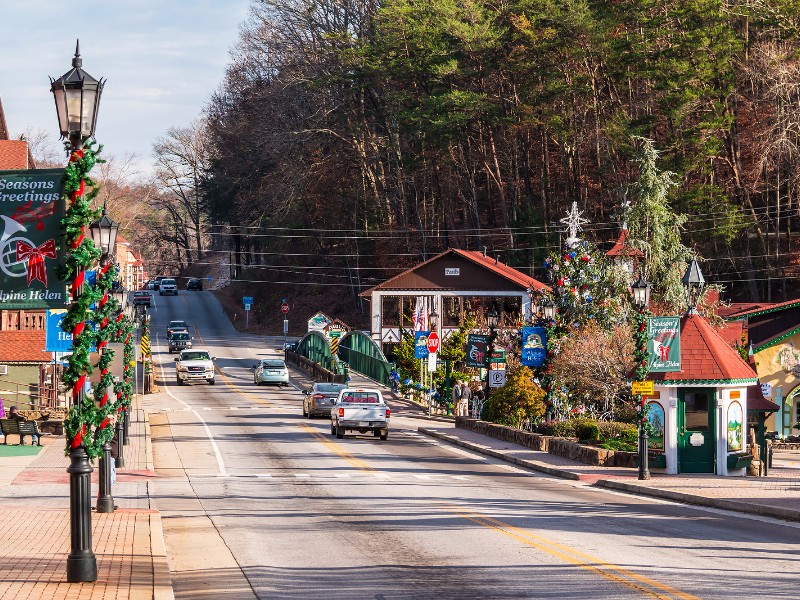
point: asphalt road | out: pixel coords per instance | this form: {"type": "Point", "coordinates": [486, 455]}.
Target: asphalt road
{"type": "Point", "coordinates": [258, 502]}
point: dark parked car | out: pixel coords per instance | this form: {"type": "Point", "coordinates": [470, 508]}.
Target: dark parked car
{"type": "Point", "coordinates": [195, 284]}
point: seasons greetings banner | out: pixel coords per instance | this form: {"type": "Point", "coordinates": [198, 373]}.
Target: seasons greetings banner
{"type": "Point", "coordinates": [31, 208]}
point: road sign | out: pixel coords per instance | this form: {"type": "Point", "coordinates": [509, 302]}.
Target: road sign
{"type": "Point", "coordinates": [285, 308]}
{"type": "Point", "coordinates": [433, 342]}
{"type": "Point", "coordinates": [247, 307]}
{"type": "Point", "coordinates": [497, 378]}
{"type": "Point", "coordinates": [247, 301]}
{"type": "Point", "coordinates": [643, 388]}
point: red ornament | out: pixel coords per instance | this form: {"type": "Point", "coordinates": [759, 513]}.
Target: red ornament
{"type": "Point", "coordinates": [585, 258]}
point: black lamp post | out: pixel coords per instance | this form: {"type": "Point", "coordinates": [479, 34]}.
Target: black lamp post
{"type": "Point", "coordinates": [104, 236]}
{"type": "Point", "coordinates": [694, 282]}
{"type": "Point", "coordinates": [493, 320]}
{"type": "Point", "coordinates": [641, 299]}
{"type": "Point", "coordinates": [77, 98]}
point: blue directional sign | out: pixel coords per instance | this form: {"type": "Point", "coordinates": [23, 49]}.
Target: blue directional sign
{"type": "Point", "coordinates": [421, 344]}
{"type": "Point", "coordinates": [56, 339]}
{"type": "Point", "coordinates": [247, 300]}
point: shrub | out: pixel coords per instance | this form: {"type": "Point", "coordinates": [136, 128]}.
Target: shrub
{"type": "Point", "coordinates": [587, 431]}
{"type": "Point", "coordinates": [614, 430]}
{"type": "Point", "coordinates": [517, 402]}
{"type": "Point", "coordinates": [619, 446]}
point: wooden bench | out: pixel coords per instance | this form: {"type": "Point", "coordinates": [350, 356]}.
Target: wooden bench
{"type": "Point", "coordinates": [20, 428]}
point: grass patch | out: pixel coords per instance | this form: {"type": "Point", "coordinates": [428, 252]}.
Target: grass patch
{"type": "Point", "coordinates": [619, 445]}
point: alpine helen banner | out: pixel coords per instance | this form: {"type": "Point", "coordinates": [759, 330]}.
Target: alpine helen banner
{"type": "Point", "coordinates": [534, 346]}
{"type": "Point", "coordinates": [31, 208]}
{"type": "Point", "coordinates": [664, 344]}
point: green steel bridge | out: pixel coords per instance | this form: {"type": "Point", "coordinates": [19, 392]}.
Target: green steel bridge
{"type": "Point", "coordinates": [355, 350]}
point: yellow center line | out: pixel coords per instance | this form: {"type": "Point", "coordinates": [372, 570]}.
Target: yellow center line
{"type": "Point", "coordinates": [572, 556]}
{"type": "Point", "coordinates": [356, 462]}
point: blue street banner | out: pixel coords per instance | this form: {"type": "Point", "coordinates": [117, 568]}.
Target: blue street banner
{"type": "Point", "coordinates": [31, 207]}
{"type": "Point", "coordinates": [477, 356]}
{"type": "Point", "coordinates": [56, 339]}
{"type": "Point", "coordinates": [664, 344]}
{"type": "Point", "coordinates": [534, 346]}
{"type": "Point", "coordinates": [421, 344]}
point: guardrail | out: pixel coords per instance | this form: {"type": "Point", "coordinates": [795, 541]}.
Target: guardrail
{"type": "Point", "coordinates": [315, 370]}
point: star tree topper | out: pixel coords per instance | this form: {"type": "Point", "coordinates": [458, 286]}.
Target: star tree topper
{"type": "Point", "coordinates": [574, 221]}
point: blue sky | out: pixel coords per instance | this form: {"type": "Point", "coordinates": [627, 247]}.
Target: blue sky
{"type": "Point", "coordinates": [162, 59]}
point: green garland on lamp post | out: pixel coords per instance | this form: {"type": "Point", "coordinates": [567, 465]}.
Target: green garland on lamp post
{"type": "Point", "coordinates": [81, 254]}
{"type": "Point", "coordinates": [641, 292]}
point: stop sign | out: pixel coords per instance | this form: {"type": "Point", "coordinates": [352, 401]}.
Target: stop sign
{"type": "Point", "coordinates": [433, 342]}
{"type": "Point", "coordinates": [285, 307]}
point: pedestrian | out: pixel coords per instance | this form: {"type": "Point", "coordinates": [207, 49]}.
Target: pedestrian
{"type": "Point", "coordinates": [13, 414]}
{"type": "Point", "coordinates": [2, 409]}
{"type": "Point", "coordinates": [457, 398]}
{"type": "Point", "coordinates": [466, 396]}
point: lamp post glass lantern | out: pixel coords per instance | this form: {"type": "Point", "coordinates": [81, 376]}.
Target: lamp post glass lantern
{"type": "Point", "coordinates": [694, 282]}
{"type": "Point", "coordinates": [549, 310]}
{"type": "Point", "coordinates": [641, 293]}
{"type": "Point", "coordinates": [77, 97]}
{"type": "Point", "coordinates": [104, 234]}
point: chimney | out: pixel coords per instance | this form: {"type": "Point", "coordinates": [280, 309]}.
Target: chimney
{"type": "Point", "coordinates": [484, 250]}
{"type": "Point", "coordinates": [496, 257]}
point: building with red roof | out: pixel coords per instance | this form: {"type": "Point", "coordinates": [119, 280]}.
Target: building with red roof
{"type": "Point", "coordinates": [703, 405]}
{"type": "Point", "coordinates": [454, 283]}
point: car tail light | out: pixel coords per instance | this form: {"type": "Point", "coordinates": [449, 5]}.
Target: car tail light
{"type": "Point", "coordinates": [318, 396]}
{"type": "Point", "coordinates": [341, 412]}
{"type": "Point", "coordinates": [388, 412]}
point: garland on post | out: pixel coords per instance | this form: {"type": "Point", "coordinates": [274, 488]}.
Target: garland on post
{"type": "Point", "coordinates": [106, 307]}
{"type": "Point", "coordinates": [640, 357]}
{"type": "Point", "coordinates": [81, 254]}
{"type": "Point", "coordinates": [123, 389]}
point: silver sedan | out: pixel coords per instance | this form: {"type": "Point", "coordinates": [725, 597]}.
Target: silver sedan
{"type": "Point", "coordinates": [320, 398]}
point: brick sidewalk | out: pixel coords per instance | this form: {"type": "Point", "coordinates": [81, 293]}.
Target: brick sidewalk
{"type": "Point", "coordinates": [777, 495]}
{"type": "Point", "coordinates": [128, 543]}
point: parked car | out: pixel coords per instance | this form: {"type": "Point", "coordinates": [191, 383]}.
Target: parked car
{"type": "Point", "coordinates": [194, 365]}
{"type": "Point", "coordinates": [320, 398]}
{"type": "Point", "coordinates": [271, 370]}
{"type": "Point", "coordinates": [141, 298]}
{"type": "Point", "coordinates": [157, 282]}
{"type": "Point", "coordinates": [360, 410]}
{"type": "Point", "coordinates": [177, 326]}
{"type": "Point", "coordinates": [151, 285]}
{"type": "Point", "coordinates": [179, 341]}
{"type": "Point", "coordinates": [167, 286]}
{"type": "Point", "coordinates": [194, 284]}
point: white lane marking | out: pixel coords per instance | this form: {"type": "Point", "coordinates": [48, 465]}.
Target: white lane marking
{"type": "Point", "coordinates": [220, 463]}
{"type": "Point", "coordinates": [264, 476]}
{"type": "Point", "coordinates": [302, 475]}
{"type": "Point", "coordinates": [418, 476]}
{"type": "Point", "coordinates": [342, 475]}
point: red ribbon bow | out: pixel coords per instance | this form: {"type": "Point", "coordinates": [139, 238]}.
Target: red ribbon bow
{"type": "Point", "coordinates": [35, 258]}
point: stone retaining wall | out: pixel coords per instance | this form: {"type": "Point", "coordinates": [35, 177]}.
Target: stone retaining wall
{"type": "Point", "coordinates": [568, 448]}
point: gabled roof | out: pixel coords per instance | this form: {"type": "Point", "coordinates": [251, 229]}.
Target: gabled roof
{"type": "Point", "coordinates": [419, 277]}
{"type": "Point", "coordinates": [622, 248]}
{"type": "Point", "coordinates": [745, 310]}
{"type": "Point", "coordinates": [706, 357]}
{"type": "Point", "coordinates": [23, 346]}
{"type": "Point", "coordinates": [3, 124]}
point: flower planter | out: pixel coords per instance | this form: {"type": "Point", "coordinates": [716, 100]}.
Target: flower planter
{"type": "Point", "coordinates": [739, 461]}
{"type": "Point", "coordinates": [654, 461]}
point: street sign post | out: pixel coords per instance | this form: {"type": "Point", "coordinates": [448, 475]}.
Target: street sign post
{"type": "Point", "coordinates": [497, 378]}
{"type": "Point", "coordinates": [433, 342]}
{"type": "Point", "coordinates": [248, 302]}
{"type": "Point", "coordinates": [643, 388]}
{"type": "Point", "coordinates": [285, 308]}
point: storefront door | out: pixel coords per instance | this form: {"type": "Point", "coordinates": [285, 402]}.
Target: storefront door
{"type": "Point", "coordinates": [696, 430]}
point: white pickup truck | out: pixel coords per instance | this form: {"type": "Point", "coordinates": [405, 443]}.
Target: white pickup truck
{"type": "Point", "coordinates": [360, 410]}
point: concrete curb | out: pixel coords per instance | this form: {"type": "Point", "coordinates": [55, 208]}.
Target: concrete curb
{"type": "Point", "coordinates": [502, 456]}
{"type": "Point", "coordinates": [621, 486]}
{"type": "Point", "coordinates": [720, 503]}
{"type": "Point", "coordinates": [162, 582]}
{"type": "Point", "coordinates": [422, 417]}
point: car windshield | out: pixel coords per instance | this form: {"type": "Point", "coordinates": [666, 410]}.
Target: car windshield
{"type": "Point", "coordinates": [167, 282]}
{"type": "Point", "coordinates": [273, 364]}
{"type": "Point", "coordinates": [330, 388]}
{"type": "Point", "coordinates": [195, 356]}
{"type": "Point", "coordinates": [180, 336]}
{"type": "Point", "coordinates": [363, 397]}
{"type": "Point", "coordinates": [140, 294]}
{"type": "Point", "coordinates": [177, 325]}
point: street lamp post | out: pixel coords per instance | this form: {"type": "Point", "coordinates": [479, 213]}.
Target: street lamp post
{"type": "Point", "coordinates": [492, 320]}
{"type": "Point", "coordinates": [77, 98]}
{"type": "Point", "coordinates": [121, 295]}
{"type": "Point", "coordinates": [433, 319]}
{"type": "Point", "coordinates": [104, 236]}
{"type": "Point", "coordinates": [641, 300]}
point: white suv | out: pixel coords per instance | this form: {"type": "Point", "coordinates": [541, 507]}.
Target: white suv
{"type": "Point", "coordinates": [168, 286]}
{"type": "Point", "coordinates": [194, 365]}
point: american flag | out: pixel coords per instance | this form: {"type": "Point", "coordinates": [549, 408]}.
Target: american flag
{"type": "Point", "coordinates": [420, 317]}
